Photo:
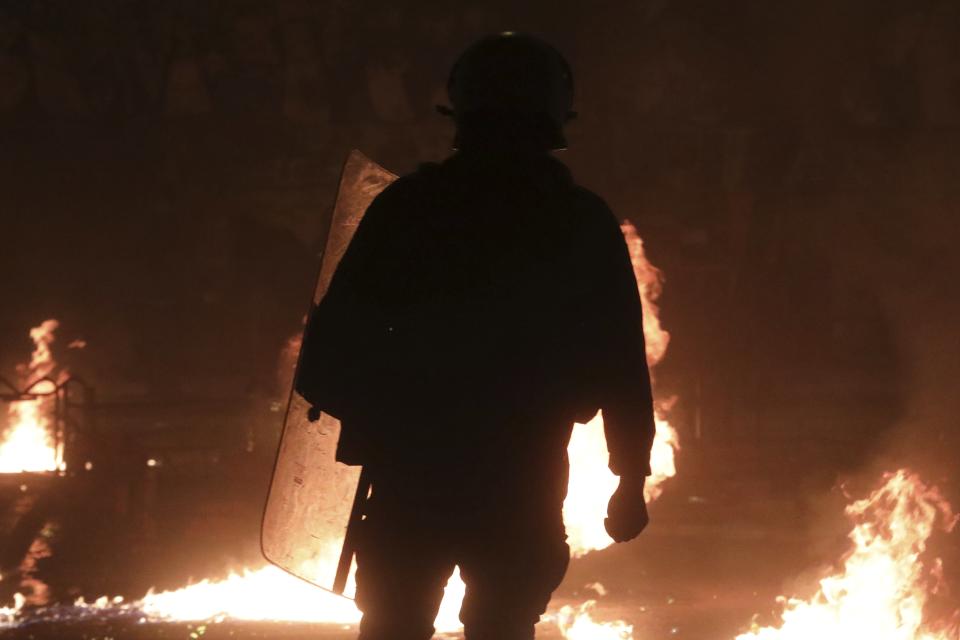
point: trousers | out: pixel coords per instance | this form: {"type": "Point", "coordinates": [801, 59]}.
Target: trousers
{"type": "Point", "coordinates": [507, 538]}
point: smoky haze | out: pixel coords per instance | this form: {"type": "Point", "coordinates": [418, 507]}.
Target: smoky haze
{"type": "Point", "coordinates": [166, 170]}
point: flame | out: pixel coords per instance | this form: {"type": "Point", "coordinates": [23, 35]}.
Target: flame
{"type": "Point", "coordinates": [882, 589]}
{"type": "Point", "coordinates": [10, 616]}
{"type": "Point", "coordinates": [578, 624]}
{"type": "Point", "coordinates": [27, 444]}
{"type": "Point", "coordinates": [264, 594]}
{"type": "Point", "coordinates": [880, 592]}
{"type": "Point", "coordinates": [591, 482]}
{"type": "Point", "coordinates": [270, 594]}
{"type": "Point", "coordinates": [650, 283]}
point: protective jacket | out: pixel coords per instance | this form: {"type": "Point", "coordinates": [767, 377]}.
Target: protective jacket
{"type": "Point", "coordinates": [484, 305]}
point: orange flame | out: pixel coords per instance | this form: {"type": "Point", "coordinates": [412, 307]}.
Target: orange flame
{"type": "Point", "coordinates": [27, 444]}
{"type": "Point", "coordinates": [270, 594]}
{"type": "Point", "coordinates": [881, 591]}
{"type": "Point", "coordinates": [591, 482]}
{"type": "Point", "coordinates": [650, 283]}
{"type": "Point", "coordinates": [9, 616]}
{"type": "Point", "coordinates": [883, 587]}
{"type": "Point", "coordinates": [578, 624]}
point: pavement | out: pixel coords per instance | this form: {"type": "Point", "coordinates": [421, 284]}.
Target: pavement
{"type": "Point", "coordinates": [724, 542]}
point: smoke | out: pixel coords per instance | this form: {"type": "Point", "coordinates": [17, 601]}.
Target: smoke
{"type": "Point", "coordinates": [905, 248]}
{"type": "Point", "coordinates": [899, 238]}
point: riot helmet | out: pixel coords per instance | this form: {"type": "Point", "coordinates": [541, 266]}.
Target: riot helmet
{"type": "Point", "coordinates": [511, 84]}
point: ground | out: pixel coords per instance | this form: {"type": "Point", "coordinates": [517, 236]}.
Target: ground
{"type": "Point", "coordinates": [719, 549]}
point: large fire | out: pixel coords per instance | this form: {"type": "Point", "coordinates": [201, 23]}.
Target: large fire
{"type": "Point", "coordinates": [27, 444]}
{"type": "Point", "coordinates": [883, 587]}
{"type": "Point", "coordinates": [270, 594]}
{"type": "Point", "coordinates": [880, 592]}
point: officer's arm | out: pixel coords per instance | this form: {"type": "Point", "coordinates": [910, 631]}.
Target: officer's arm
{"type": "Point", "coordinates": [626, 399]}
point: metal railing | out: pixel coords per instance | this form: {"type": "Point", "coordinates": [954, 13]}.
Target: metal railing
{"type": "Point", "coordinates": [68, 407]}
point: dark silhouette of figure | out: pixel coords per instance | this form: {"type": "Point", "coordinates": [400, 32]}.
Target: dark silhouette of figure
{"type": "Point", "coordinates": [485, 304]}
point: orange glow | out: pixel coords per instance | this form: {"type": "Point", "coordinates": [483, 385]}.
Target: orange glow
{"type": "Point", "coordinates": [270, 594]}
{"type": "Point", "coordinates": [9, 616]}
{"type": "Point", "coordinates": [650, 283]}
{"type": "Point", "coordinates": [578, 624]}
{"type": "Point", "coordinates": [591, 482]}
{"type": "Point", "coordinates": [882, 588]}
{"type": "Point", "coordinates": [27, 444]}
{"type": "Point", "coordinates": [879, 593]}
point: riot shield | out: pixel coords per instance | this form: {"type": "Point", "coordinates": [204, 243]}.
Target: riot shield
{"type": "Point", "coordinates": [306, 527]}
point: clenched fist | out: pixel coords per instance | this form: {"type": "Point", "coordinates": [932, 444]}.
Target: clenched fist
{"type": "Point", "coordinates": [627, 511]}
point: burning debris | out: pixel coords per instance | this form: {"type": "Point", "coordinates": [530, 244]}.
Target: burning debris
{"type": "Point", "coordinates": [880, 592]}
{"type": "Point", "coordinates": [29, 444]}
{"type": "Point", "coordinates": [884, 585]}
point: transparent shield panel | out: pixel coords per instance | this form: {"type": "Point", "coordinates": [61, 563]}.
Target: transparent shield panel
{"type": "Point", "coordinates": [311, 495]}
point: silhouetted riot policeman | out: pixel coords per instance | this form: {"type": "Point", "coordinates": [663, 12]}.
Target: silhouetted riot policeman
{"type": "Point", "coordinates": [484, 305]}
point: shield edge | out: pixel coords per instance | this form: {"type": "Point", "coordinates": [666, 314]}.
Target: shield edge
{"type": "Point", "coordinates": [354, 160]}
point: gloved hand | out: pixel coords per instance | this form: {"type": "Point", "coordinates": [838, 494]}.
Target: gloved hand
{"type": "Point", "coordinates": [627, 510]}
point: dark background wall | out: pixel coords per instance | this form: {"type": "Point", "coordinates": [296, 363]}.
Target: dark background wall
{"type": "Point", "coordinates": [165, 169]}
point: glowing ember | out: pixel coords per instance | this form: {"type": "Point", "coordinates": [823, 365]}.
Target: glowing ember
{"type": "Point", "coordinates": [881, 591]}
{"type": "Point", "coordinates": [591, 482]}
{"type": "Point", "coordinates": [27, 443]}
